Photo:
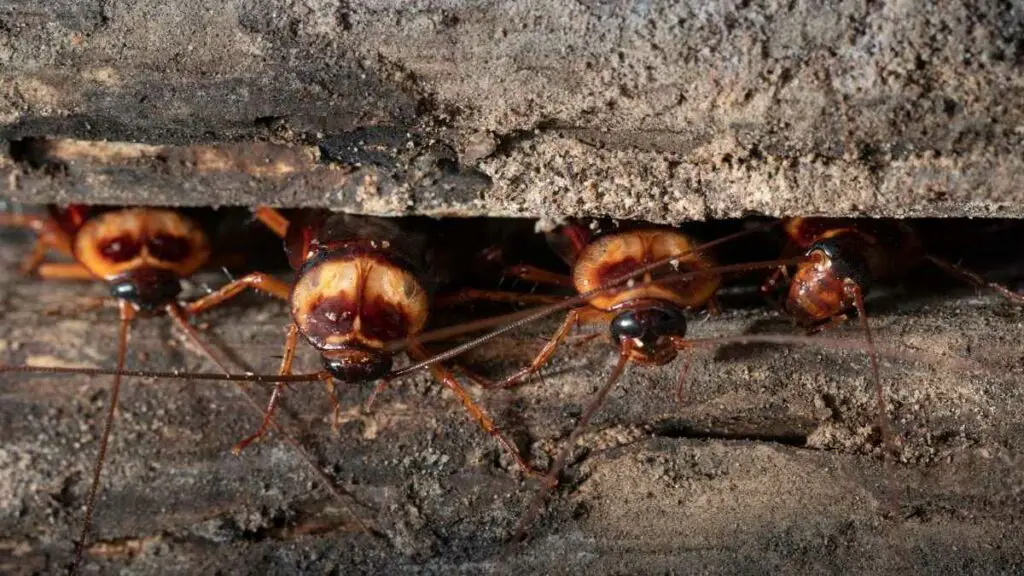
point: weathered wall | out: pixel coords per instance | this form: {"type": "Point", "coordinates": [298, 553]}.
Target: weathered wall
{"type": "Point", "coordinates": [660, 110]}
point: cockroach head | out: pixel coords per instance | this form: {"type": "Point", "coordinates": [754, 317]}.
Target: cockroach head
{"type": "Point", "coordinates": [649, 325]}
{"type": "Point", "coordinates": [356, 364]}
{"type": "Point", "coordinates": [147, 289]}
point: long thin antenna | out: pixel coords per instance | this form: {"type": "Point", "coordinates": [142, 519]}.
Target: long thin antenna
{"type": "Point", "coordinates": [829, 343]}
{"type": "Point", "coordinates": [888, 446]}
{"type": "Point", "coordinates": [127, 312]}
{"type": "Point", "coordinates": [551, 479]}
{"type": "Point", "coordinates": [219, 376]}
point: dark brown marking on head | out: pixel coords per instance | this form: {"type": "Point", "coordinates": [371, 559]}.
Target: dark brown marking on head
{"type": "Point", "coordinates": [384, 321]}
{"type": "Point", "coordinates": [329, 316]}
{"type": "Point", "coordinates": [617, 269]}
{"type": "Point", "coordinates": [168, 247]}
{"type": "Point", "coordinates": [121, 248]}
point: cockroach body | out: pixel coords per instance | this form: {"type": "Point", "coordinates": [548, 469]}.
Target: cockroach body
{"type": "Point", "coordinates": [359, 284]}
{"type": "Point", "coordinates": [363, 282]}
{"type": "Point", "coordinates": [844, 258]}
{"type": "Point", "coordinates": [647, 314]}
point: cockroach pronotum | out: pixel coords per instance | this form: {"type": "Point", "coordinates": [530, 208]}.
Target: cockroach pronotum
{"type": "Point", "coordinates": [143, 254]}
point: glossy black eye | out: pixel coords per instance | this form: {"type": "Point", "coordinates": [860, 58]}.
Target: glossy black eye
{"type": "Point", "coordinates": [147, 288]}
{"type": "Point", "coordinates": [847, 261]}
{"type": "Point", "coordinates": [355, 365]}
{"type": "Point", "coordinates": [648, 325]}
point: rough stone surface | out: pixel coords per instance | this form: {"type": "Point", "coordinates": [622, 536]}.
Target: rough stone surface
{"type": "Point", "coordinates": [770, 464]}
{"type": "Point", "coordinates": [663, 110]}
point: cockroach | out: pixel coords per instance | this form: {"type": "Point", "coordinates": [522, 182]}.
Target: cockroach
{"type": "Point", "coordinates": [649, 315]}
{"type": "Point", "coordinates": [842, 259]}
{"type": "Point", "coordinates": [361, 282]}
{"type": "Point", "coordinates": [142, 254]}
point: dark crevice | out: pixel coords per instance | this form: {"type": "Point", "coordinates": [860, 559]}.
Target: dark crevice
{"type": "Point", "coordinates": [678, 428]}
{"type": "Point", "coordinates": [32, 152]}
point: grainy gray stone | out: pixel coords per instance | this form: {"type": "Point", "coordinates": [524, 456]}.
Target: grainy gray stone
{"type": "Point", "coordinates": [663, 110]}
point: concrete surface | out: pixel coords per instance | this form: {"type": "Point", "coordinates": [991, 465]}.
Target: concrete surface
{"type": "Point", "coordinates": [771, 464]}
{"type": "Point", "coordinates": [661, 110]}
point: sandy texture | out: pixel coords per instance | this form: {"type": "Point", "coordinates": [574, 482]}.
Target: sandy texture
{"type": "Point", "coordinates": [662, 110]}
{"type": "Point", "coordinates": [770, 464]}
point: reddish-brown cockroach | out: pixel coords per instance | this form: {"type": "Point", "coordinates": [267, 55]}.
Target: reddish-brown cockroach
{"type": "Point", "coordinates": [143, 254]}
{"type": "Point", "coordinates": [648, 315]}
{"type": "Point", "coordinates": [361, 282]}
{"type": "Point", "coordinates": [843, 258]}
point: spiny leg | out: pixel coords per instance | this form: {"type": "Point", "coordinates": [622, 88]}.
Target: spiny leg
{"type": "Point", "coordinates": [475, 411]}
{"type": "Point", "coordinates": [272, 219]}
{"type": "Point", "coordinates": [179, 316]}
{"type": "Point", "coordinates": [770, 287]}
{"type": "Point", "coordinates": [883, 419]}
{"type": "Point", "coordinates": [255, 281]}
{"type": "Point", "coordinates": [687, 363]}
{"type": "Point", "coordinates": [551, 479]}
{"type": "Point", "coordinates": [127, 313]}
{"type": "Point", "coordinates": [574, 318]}
{"type": "Point", "coordinates": [291, 341]}
{"type": "Point", "coordinates": [49, 235]}
{"type": "Point", "coordinates": [974, 278]}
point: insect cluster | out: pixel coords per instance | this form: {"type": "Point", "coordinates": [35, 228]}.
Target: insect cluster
{"type": "Point", "coordinates": [364, 292]}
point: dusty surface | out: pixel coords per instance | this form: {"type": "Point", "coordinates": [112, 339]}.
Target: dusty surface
{"type": "Point", "coordinates": [770, 464]}
{"type": "Point", "coordinates": [661, 110]}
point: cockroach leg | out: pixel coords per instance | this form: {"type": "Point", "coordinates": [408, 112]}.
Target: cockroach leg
{"type": "Point", "coordinates": [530, 273]}
{"type": "Point", "coordinates": [255, 281]}
{"type": "Point", "coordinates": [770, 287]}
{"type": "Point", "coordinates": [551, 478]}
{"type": "Point", "coordinates": [573, 319]}
{"type": "Point", "coordinates": [973, 278]}
{"type": "Point", "coordinates": [127, 313]}
{"type": "Point", "coordinates": [272, 219]}
{"type": "Point", "coordinates": [63, 271]}
{"type": "Point", "coordinates": [49, 235]}
{"type": "Point", "coordinates": [828, 324]}
{"type": "Point", "coordinates": [291, 341]}
{"type": "Point", "coordinates": [335, 405]}
{"type": "Point", "coordinates": [472, 295]}
{"type": "Point", "coordinates": [475, 411]}
{"type": "Point", "coordinates": [382, 384]}
{"type": "Point", "coordinates": [682, 346]}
